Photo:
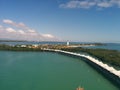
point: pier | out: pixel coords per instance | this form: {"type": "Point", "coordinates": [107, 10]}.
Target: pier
{"type": "Point", "coordinates": [108, 71]}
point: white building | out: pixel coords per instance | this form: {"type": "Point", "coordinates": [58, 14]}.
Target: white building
{"type": "Point", "coordinates": [23, 46]}
{"type": "Point", "coordinates": [68, 43]}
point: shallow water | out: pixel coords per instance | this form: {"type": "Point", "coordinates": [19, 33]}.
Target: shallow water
{"type": "Point", "coordinates": [111, 46]}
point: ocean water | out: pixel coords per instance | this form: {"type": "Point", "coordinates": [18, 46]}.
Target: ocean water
{"type": "Point", "coordinates": [111, 46]}
{"type": "Point", "coordinates": [48, 71]}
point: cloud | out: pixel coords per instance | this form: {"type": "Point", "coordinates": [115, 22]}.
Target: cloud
{"type": "Point", "coordinates": [21, 32]}
{"type": "Point", "coordinates": [105, 4]}
{"type": "Point", "coordinates": [24, 33]}
{"type": "Point", "coordinates": [7, 21]}
{"type": "Point", "coordinates": [19, 25]}
{"type": "Point", "coordinates": [31, 31]}
{"type": "Point", "coordinates": [90, 3]}
{"type": "Point", "coordinates": [77, 4]}
{"type": "Point", "coordinates": [11, 30]}
{"type": "Point", "coordinates": [48, 35]}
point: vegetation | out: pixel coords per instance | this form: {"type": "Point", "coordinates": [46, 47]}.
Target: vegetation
{"type": "Point", "coordinates": [15, 48]}
{"type": "Point", "coordinates": [111, 57]}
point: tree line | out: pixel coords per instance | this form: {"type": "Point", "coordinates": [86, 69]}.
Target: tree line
{"type": "Point", "coordinates": [111, 57]}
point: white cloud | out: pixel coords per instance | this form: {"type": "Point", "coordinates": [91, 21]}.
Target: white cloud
{"type": "Point", "coordinates": [25, 33]}
{"type": "Point", "coordinates": [90, 3]}
{"type": "Point", "coordinates": [7, 21]}
{"type": "Point", "coordinates": [10, 30]}
{"type": "Point", "coordinates": [21, 32]}
{"type": "Point", "coordinates": [19, 25]}
{"type": "Point", "coordinates": [78, 4]}
{"type": "Point", "coordinates": [31, 31]}
{"type": "Point", "coordinates": [105, 4]}
{"type": "Point", "coordinates": [47, 35]}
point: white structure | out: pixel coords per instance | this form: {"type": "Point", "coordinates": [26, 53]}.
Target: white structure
{"type": "Point", "coordinates": [23, 46]}
{"type": "Point", "coordinates": [35, 45]}
{"type": "Point", "coordinates": [68, 43]}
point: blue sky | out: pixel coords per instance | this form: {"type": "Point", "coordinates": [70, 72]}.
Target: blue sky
{"type": "Point", "coordinates": [54, 20]}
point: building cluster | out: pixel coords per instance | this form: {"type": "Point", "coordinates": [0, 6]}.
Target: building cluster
{"type": "Point", "coordinates": [28, 46]}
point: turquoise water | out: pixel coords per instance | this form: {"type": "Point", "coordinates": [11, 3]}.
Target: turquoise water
{"type": "Point", "coordinates": [111, 46]}
{"type": "Point", "coordinates": [48, 71]}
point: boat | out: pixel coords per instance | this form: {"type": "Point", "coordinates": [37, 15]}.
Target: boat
{"type": "Point", "coordinates": [79, 88]}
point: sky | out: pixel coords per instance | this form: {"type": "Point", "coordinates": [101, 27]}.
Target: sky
{"type": "Point", "coordinates": [60, 20]}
